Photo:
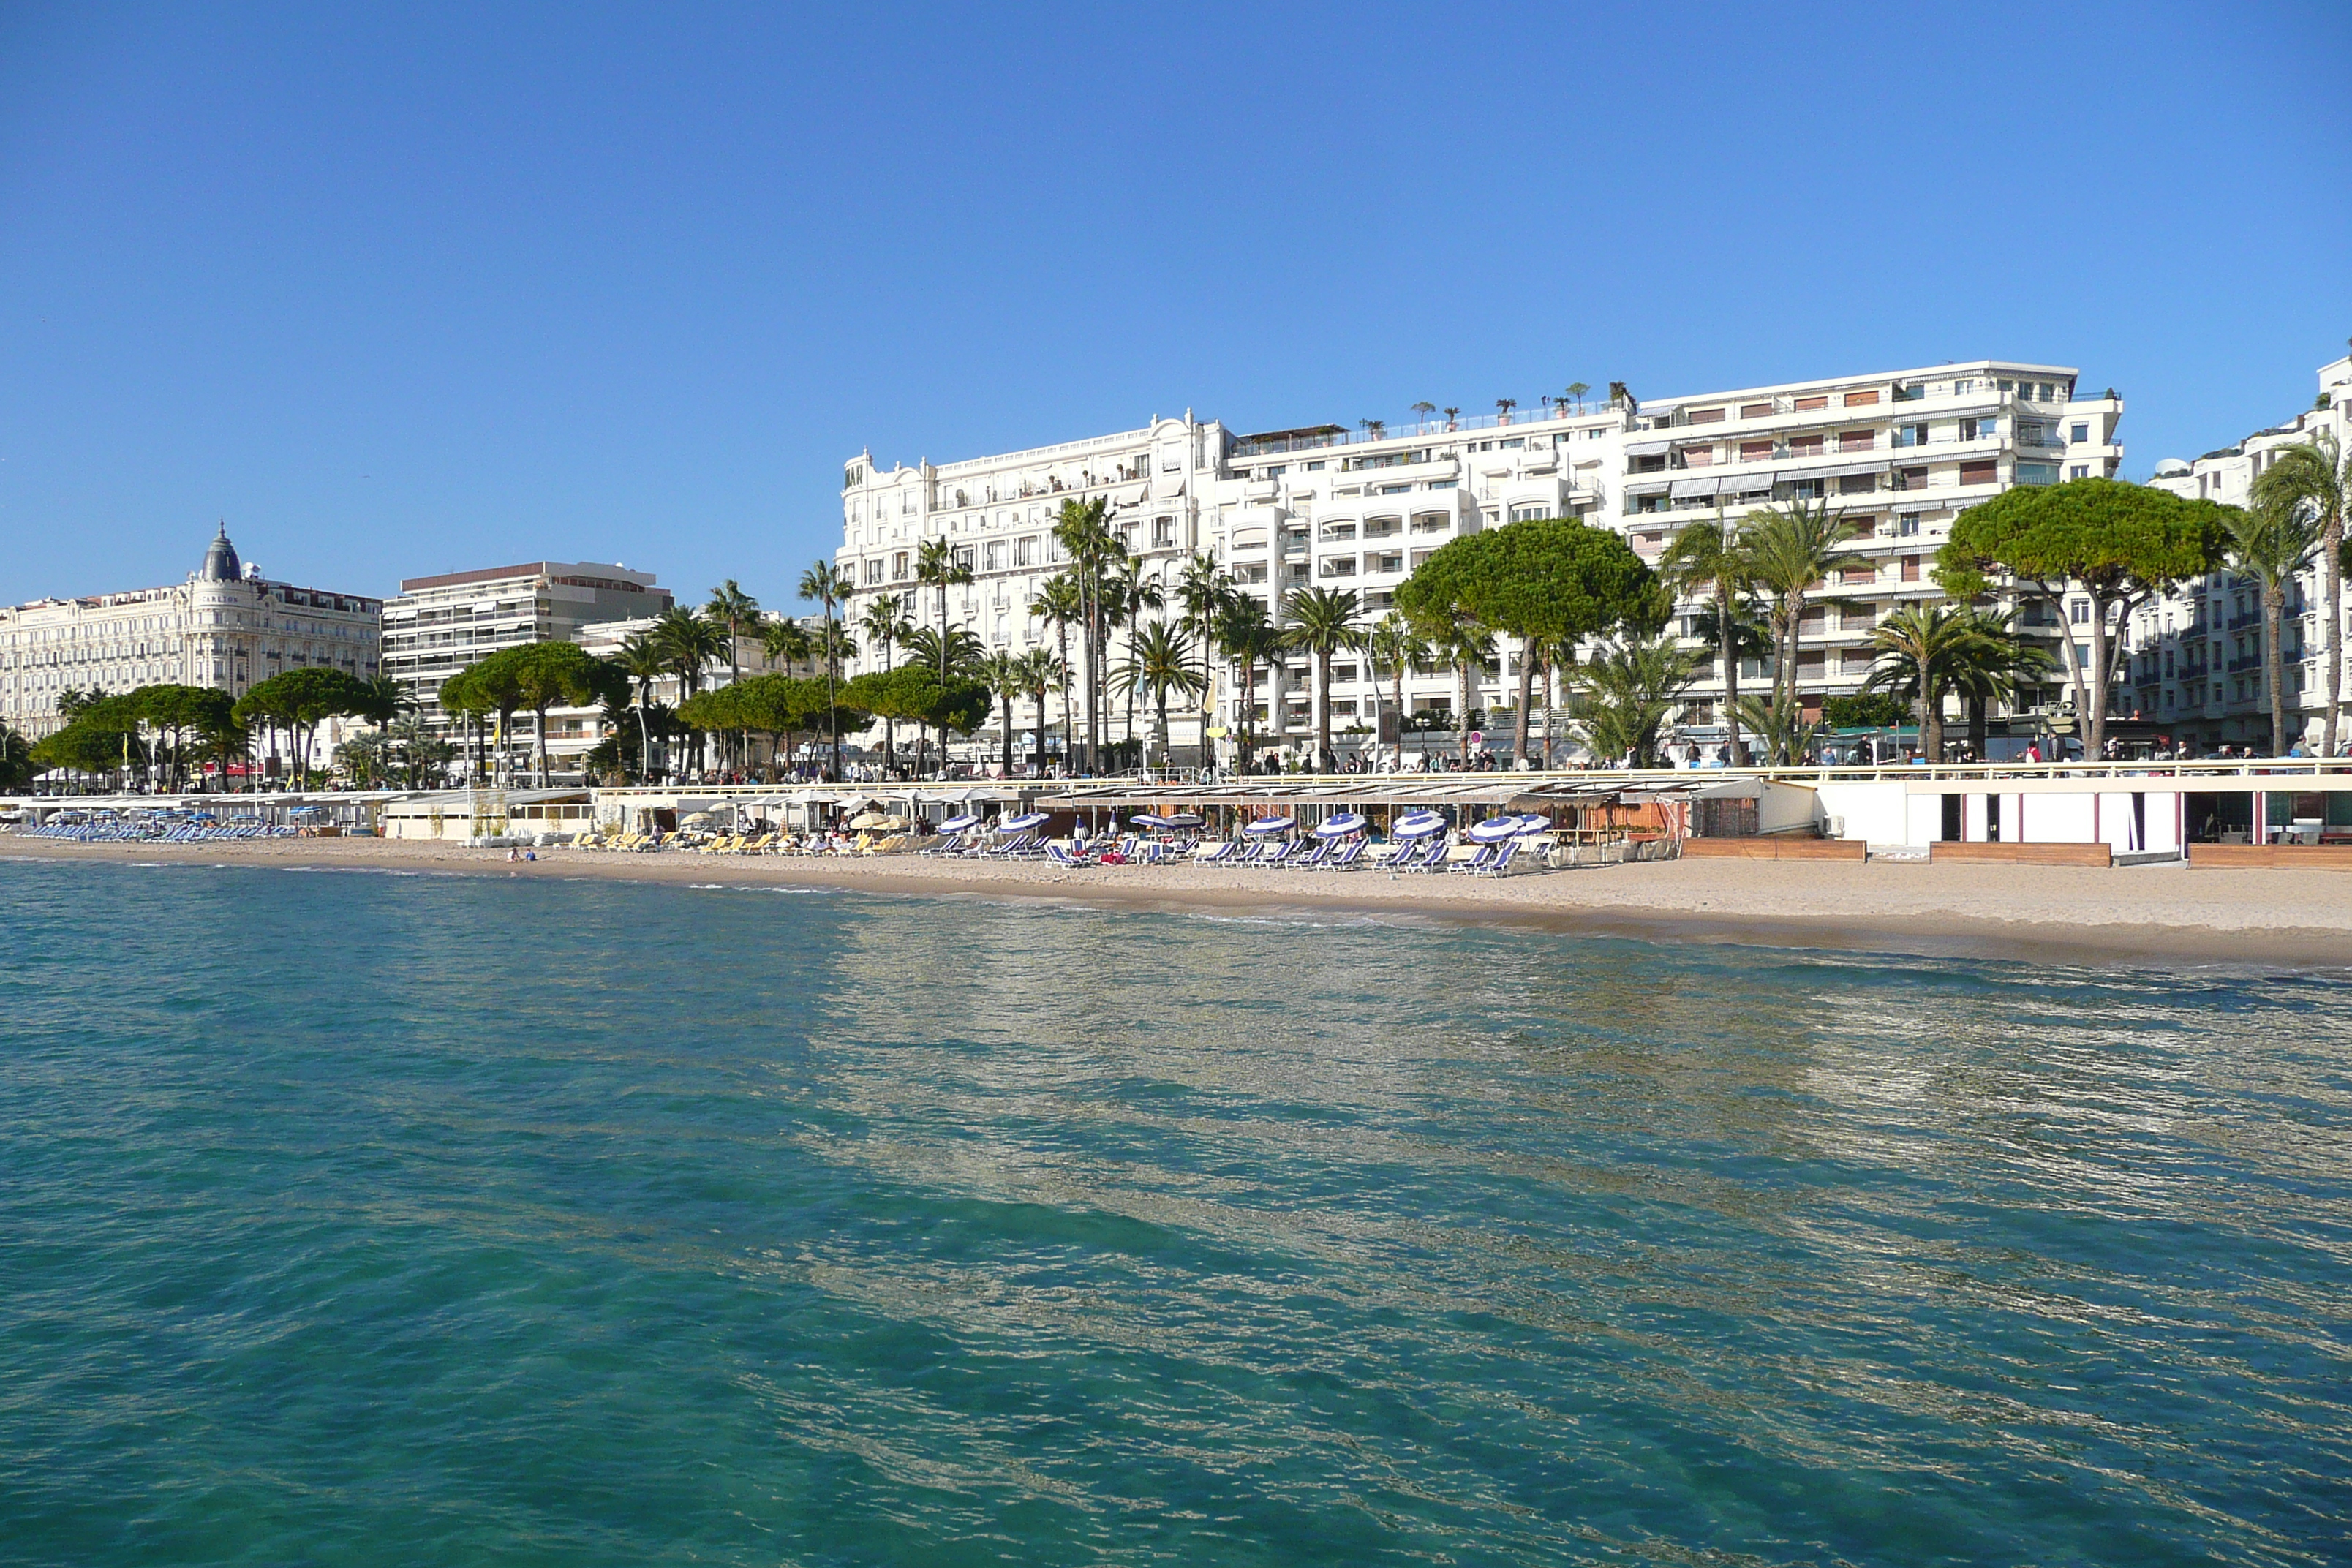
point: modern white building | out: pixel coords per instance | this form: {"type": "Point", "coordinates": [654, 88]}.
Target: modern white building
{"type": "Point", "coordinates": [2197, 656]}
{"type": "Point", "coordinates": [224, 628]}
{"type": "Point", "coordinates": [437, 626]}
{"type": "Point", "coordinates": [1899, 453]}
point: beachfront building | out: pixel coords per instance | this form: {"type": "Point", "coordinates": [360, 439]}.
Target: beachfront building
{"type": "Point", "coordinates": [1898, 453]}
{"type": "Point", "coordinates": [2197, 662]}
{"type": "Point", "coordinates": [225, 628]}
{"type": "Point", "coordinates": [437, 626]}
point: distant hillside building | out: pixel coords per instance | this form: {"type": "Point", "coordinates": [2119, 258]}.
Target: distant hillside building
{"type": "Point", "coordinates": [225, 628]}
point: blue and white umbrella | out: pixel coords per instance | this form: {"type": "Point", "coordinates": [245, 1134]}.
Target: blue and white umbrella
{"type": "Point", "coordinates": [1494, 830]}
{"type": "Point", "coordinates": [1022, 823]}
{"type": "Point", "coordinates": [1341, 825]}
{"type": "Point", "coordinates": [960, 823]}
{"type": "Point", "coordinates": [1269, 825]}
{"type": "Point", "coordinates": [1183, 819]}
{"type": "Point", "coordinates": [1534, 824]}
{"type": "Point", "coordinates": [1418, 824]}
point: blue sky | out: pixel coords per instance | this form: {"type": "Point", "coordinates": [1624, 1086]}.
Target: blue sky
{"type": "Point", "coordinates": [398, 290]}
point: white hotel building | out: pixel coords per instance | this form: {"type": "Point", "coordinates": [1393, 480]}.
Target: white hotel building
{"type": "Point", "coordinates": [1901, 453]}
{"type": "Point", "coordinates": [2197, 658]}
{"type": "Point", "coordinates": [225, 628]}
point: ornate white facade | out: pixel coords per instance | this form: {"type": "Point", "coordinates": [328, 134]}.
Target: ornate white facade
{"type": "Point", "coordinates": [227, 627]}
{"type": "Point", "coordinates": [1899, 453]}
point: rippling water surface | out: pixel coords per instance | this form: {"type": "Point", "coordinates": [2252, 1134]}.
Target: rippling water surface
{"type": "Point", "coordinates": [362, 1219]}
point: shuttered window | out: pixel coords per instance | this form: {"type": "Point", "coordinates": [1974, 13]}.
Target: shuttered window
{"type": "Point", "coordinates": [1979, 473]}
{"type": "Point", "coordinates": [1820, 400]}
{"type": "Point", "coordinates": [1749, 451]}
{"type": "Point", "coordinates": [1861, 399]}
{"type": "Point", "coordinates": [1857, 440]}
{"type": "Point", "coordinates": [1910, 568]}
{"type": "Point", "coordinates": [1755, 410]}
{"type": "Point", "coordinates": [1706, 417]}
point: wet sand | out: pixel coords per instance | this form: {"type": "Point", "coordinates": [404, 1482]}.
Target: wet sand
{"type": "Point", "coordinates": [2167, 916]}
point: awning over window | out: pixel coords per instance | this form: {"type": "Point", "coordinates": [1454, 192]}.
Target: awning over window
{"type": "Point", "coordinates": [1646, 449]}
{"type": "Point", "coordinates": [1840, 471]}
{"type": "Point", "coordinates": [1657, 487]}
{"type": "Point", "coordinates": [1704, 486]}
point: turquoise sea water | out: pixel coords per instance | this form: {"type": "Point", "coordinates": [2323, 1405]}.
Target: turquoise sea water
{"type": "Point", "coordinates": [358, 1219]}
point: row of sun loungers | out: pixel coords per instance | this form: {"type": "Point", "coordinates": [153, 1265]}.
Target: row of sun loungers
{"type": "Point", "coordinates": [156, 832]}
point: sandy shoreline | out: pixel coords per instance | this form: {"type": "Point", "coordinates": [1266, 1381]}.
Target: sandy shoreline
{"type": "Point", "coordinates": [2165, 915]}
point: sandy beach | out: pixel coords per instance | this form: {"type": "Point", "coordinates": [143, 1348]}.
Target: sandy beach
{"type": "Point", "coordinates": [2166, 915]}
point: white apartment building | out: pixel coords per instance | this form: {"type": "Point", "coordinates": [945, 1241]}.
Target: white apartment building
{"type": "Point", "coordinates": [1899, 453]}
{"type": "Point", "coordinates": [2197, 656]}
{"type": "Point", "coordinates": [224, 628]}
{"type": "Point", "coordinates": [435, 626]}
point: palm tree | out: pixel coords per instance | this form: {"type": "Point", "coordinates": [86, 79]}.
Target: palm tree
{"type": "Point", "coordinates": [1127, 592]}
{"type": "Point", "coordinates": [1392, 647]}
{"type": "Point", "coordinates": [1992, 666]}
{"type": "Point", "coordinates": [1038, 674]}
{"type": "Point", "coordinates": [1463, 644]}
{"type": "Point", "coordinates": [1062, 601]}
{"type": "Point", "coordinates": [1794, 548]}
{"type": "Point", "coordinates": [1451, 416]}
{"type": "Point", "coordinates": [1919, 649]}
{"type": "Point", "coordinates": [643, 659]}
{"type": "Point", "coordinates": [937, 566]}
{"type": "Point", "coordinates": [2271, 543]}
{"type": "Point", "coordinates": [1158, 662]}
{"type": "Point", "coordinates": [1626, 693]}
{"type": "Point", "coordinates": [1550, 653]}
{"type": "Point", "coordinates": [953, 655]}
{"type": "Point", "coordinates": [1503, 406]}
{"type": "Point", "coordinates": [1322, 622]}
{"type": "Point", "coordinates": [829, 586]}
{"type": "Point", "coordinates": [1202, 592]}
{"type": "Point", "coordinates": [1001, 669]}
{"type": "Point", "coordinates": [1082, 532]}
{"type": "Point", "coordinates": [2316, 478]}
{"type": "Point", "coordinates": [1712, 558]}
{"type": "Point", "coordinates": [885, 625]}
{"type": "Point", "coordinates": [734, 612]}
{"type": "Point", "coordinates": [690, 643]}
{"type": "Point", "coordinates": [1247, 638]}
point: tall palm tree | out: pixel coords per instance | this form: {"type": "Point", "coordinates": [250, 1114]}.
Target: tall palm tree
{"type": "Point", "coordinates": [1463, 644]}
{"type": "Point", "coordinates": [830, 587]}
{"type": "Point", "coordinates": [1084, 532]}
{"type": "Point", "coordinates": [1920, 650]}
{"type": "Point", "coordinates": [1062, 601]}
{"type": "Point", "coordinates": [1322, 621]}
{"type": "Point", "coordinates": [734, 612]}
{"type": "Point", "coordinates": [1551, 653]}
{"type": "Point", "coordinates": [785, 641]}
{"type": "Point", "coordinates": [952, 655]}
{"type": "Point", "coordinates": [2316, 478]}
{"type": "Point", "coordinates": [1038, 674]}
{"type": "Point", "coordinates": [2271, 543]}
{"type": "Point", "coordinates": [937, 566]}
{"type": "Point", "coordinates": [1710, 557]}
{"type": "Point", "coordinates": [1794, 548]}
{"type": "Point", "coordinates": [1393, 647]}
{"type": "Point", "coordinates": [1247, 636]}
{"type": "Point", "coordinates": [1202, 592]}
{"type": "Point", "coordinates": [643, 659]}
{"type": "Point", "coordinates": [1158, 662]}
{"type": "Point", "coordinates": [690, 643]}
{"type": "Point", "coordinates": [885, 625]}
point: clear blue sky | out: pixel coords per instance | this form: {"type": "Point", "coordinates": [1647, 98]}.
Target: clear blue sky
{"type": "Point", "coordinates": [396, 289]}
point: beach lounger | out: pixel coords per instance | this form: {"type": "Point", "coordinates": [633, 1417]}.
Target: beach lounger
{"type": "Point", "coordinates": [1501, 863]}
{"type": "Point", "coordinates": [1315, 855]}
{"type": "Point", "coordinates": [1476, 863]}
{"type": "Point", "coordinates": [1432, 857]}
{"type": "Point", "coordinates": [1346, 856]}
{"type": "Point", "coordinates": [1059, 854]}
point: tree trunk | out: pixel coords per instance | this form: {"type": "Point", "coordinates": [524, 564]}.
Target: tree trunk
{"type": "Point", "coordinates": [1398, 691]}
{"type": "Point", "coordinates": [2275, 662]}
{"type": "Point", "coordinates": [2331, 591]}
{"type": "Point", "coordinates": [1322, 710]}
{"type": "Point", "coordinates": [1728, 642]}
{"type": "Point", "coordinates": [1008, 734]}
{"type": "Point", "coordinates": [1527, 699]}
{"type": "Point", "coordinates": [1462, 730]}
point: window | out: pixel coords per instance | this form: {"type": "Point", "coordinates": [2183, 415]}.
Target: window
{"type": "Point", "coordinates": [1861, 399]}
{"type": "Point", "coordinates": [1857, 440]}
{"type": "Point", "coordinates": [1393, 490]}
{"type": "Point", "coordinates": [1911, 568]}
{"type": "Point", "coordinates": [2079, 611]}
{"type": "Point", "coordinates": [1820, 400]}
{"type": "Point", "coordinates": [2037, 473]}
{"type": "Point", "coordinates": [1910, 435]}
{"type": "Point", "coordinates": [1979, 429]}
{"type": "Point", "coordinates": [1164, 532]}
{"type": "Point", "coordinates": [1806, 446]}
{"type": "Point", "coordinates": [1706, 417]}
{"type": "Point", "coordinates": [1907, 526]}
{"type": "Point", "coordinates": [1857, 484]}
{"type": "Point", "coordinates": [1754, 451]}
{"type": "Point", "coordinates": [1025, 552]}
{"type": "Point", "coordinates": [1528, 510]}
{"type": "Point", "coordinates": [2081, 434]}
{"type": "Point", "coordinates": [2079, 471]}
{"type": "Point", "coordinates": [1755, 410]}
{"type": "Point", "coordinates": [1984, 473]}
{"type": "Point", "coordinates": [1443, 484]}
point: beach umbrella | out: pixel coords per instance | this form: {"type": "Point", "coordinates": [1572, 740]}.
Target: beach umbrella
{"type": "Point", "coordinates": [866, 820]}
{"type": "Point", "coordinates": [1145, 822]}
{"type": "Point", "coordinates": [960, 823]}
{"type": "Point", "coordinates": [1534, 824]}
{"type": "Point", "coordinates": [1181, 819]}
{"type": "Point", "coordinates": [1022, 823]}
{"type": "Point", "coordinates": [1494, 829]}
{"type": "Point", "coordinates": [1269, 825]}
{"type": "Point", "coordinates": [1341, 825]}
{"type": "Point", "coordinates": [1417, 825]}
